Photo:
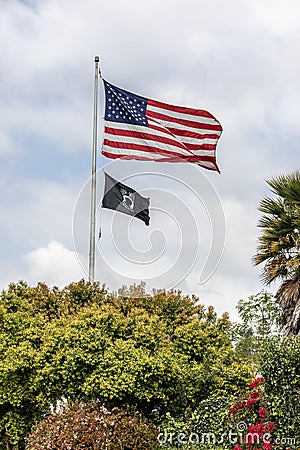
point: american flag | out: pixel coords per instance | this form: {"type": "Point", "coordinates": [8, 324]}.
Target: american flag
{"type": "Point", "coordinates": [139, 128]}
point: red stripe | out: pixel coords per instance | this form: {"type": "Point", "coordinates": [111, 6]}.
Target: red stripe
{"type": "Point", "coordinates": [114, 156]}
{"type": "Point", "coordinates": [182, 109]}
{"type": "Point", "coordinates": [144, 158]}
{"type": "Point", "coordinates": [141, 148]}
{"type": "Point", "coordinates": [192, 134]}
{"type": "Point", "coordinates": [146, 136]}
{"type": "Point", "coordinates": [193, 147]}
{"type": "Point", "coordinates": [175, 132]}
{"type": "Point", "coordinates": [201, 158]}
{"type": "Point", "coordinates": [209, 159]}
{"type": "Point", "coordinates": [125, 144]}
{"type": "Point", "coordinates": [193, 159]}
{"type": "Point", "coordinates": [165, 140]}
{"type": "Point", "coordinates": [187, 123]}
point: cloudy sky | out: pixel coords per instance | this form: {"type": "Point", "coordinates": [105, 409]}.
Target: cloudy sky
{"type": "Point", "coordinates": [237, 59]}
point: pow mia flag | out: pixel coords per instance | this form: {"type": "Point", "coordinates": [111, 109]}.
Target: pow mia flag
{"type": "Point", "coordinates": [124, 199]}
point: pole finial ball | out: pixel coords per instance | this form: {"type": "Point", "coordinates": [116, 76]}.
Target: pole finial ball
{"type": "Point", "coordinates": [96, 58]}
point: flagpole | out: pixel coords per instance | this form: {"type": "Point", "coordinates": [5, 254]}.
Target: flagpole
{"type": "Point", "coordinates": [93, 186]}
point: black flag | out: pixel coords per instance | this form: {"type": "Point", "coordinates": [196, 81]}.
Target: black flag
{"type": "Point", "coordinates": [124, 199]}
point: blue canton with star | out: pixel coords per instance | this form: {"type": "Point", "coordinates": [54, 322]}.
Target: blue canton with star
{"type": "Point", "coordinates": [123, 106]}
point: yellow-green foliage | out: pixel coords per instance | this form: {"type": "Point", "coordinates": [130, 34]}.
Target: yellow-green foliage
{"type": "Point", "coordinates": [160, 351]}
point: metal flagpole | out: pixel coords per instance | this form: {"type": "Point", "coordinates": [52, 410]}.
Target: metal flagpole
{"type": "Point", "coordinates": [94, 169]}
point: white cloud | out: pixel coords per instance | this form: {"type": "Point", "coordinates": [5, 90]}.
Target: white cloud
{"type": "Point", "coordinates": [54, 265]}
{"type": "Point", "coordinates": [236, 59]}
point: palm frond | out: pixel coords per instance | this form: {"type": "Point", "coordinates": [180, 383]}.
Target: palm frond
{"type": "Point", "coordinates": [274, 207]}
{"type": "Point", "coordinates": [279, 242]}
{"type": "Point", "coordinates": [287, 186]}
{"type": "Point", "coordinates": [288, 298]}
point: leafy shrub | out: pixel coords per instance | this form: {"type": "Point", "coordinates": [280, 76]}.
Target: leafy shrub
{"type": "Point", "coordinates": [202, 428]}
{"type": "Point", "coordinates": [280, 366]}
{"type": "Point", "coordinates": [90, 426]}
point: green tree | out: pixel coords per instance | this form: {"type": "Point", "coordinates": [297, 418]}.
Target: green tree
{"type": "Point", "coordinates": [260, 318]}
{"type": "Point", "coordinates": [25, 314]}
{"type": "Point", "coordinates": [162, 352]}
{"type": "Point", "coordinates": [279, 245]}
{"type": "Point", "coordinates": [133, 291]}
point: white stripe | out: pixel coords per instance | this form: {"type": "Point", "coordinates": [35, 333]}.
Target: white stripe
{"type": "Point", "coordinates": [141, 141]}
{"type": "Point", "coordinates": [130, 152]}
{"type": "Point", "coordinates": [187, 140]}
{"type": "Point", "coordinates": [164, 130]}
{"type": "Point", "coordinates": [159, 145]}
{"type": "Point", "coordinates": [182, 116]}
{"type": "Point", "coordinates": [206, 164]}
{"type": "Point", "coordinates": [203, 152]}
{"type": "Point", "coordinates": [150, 155]}
{"type": "Point", "coordinates": [142, 129]}
{"type": "Point", "coordinates": [180, 126]}
{"type": "Point", "coordinates": [147, 143]}
{"type": "Point", "coordinates": [183, 139]}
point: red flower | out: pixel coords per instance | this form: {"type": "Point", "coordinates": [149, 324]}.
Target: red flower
{"type": "Point", "coordinates": [254, 397]}
{"type": "Point", "coordinates": [237, 447]}
{"type": "Point", "coordinates": [262, 412]}
{"type": "Point", "coordinates": [256, 382]}
{"type": "Point", "coordinates": [267, 446]}
{"type": "Point", "coordinates": [236, 407]}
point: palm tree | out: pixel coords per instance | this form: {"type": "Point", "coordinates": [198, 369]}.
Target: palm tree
{"type": "Point", "coordinates": [279, 246]}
